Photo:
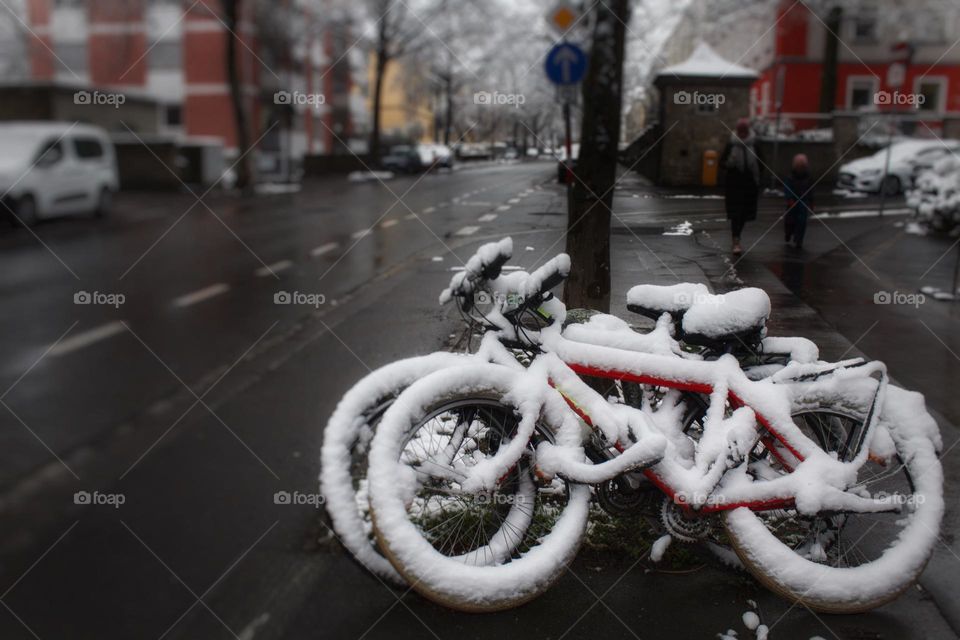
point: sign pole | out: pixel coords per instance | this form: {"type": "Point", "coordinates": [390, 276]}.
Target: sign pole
{"type": "Point", "coordinates": [781, 72]}
{"type": "Point", "coordinates": [896, 76]}
{"type": "Point", "coordinates": [568, 142]}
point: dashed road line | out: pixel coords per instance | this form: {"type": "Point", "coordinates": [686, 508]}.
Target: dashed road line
{"type": "Point", "coordinates": [363, 233]}
{"type": "Point", "coordinates": [323, 249]}
{"type": "Point", "coordinates": [466, 231]}
{"type": "Point", "coordinates": [429, 209]}
{"type": "Point", "coordinates": [86, 338]}
{"type": "Point", "coordinates": [487, 217]}
{"type": "Point", "coordinates": [271, 269]}
{"type": "Point", "coordinates": [386, 224]}
{"type": "Point", "coordinates": [513, 200]}
{"type": "Point", "coordinates": [200, 295]}
{"type": "Point", "coordinates": [503, 207]}
{"type": "Point", "coordinates": [411, 216]}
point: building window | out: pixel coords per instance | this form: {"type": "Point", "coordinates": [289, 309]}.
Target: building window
{"type": "Point", "coordinates": [166, 55]}
{"type": "Point", "coordinates": [861, 92]}
{"type": "Point", "coordinates": [174, 115]}
{"type": "Point", "coordinates": [72, 56]}
{"type": "Point", "coordinates": [865, 26]}
{"type": "Point", "coordinates": [934, 92]}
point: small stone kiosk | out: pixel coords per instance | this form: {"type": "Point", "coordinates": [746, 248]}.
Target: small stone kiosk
{"type": "Point", "coordinates": [701, 100]}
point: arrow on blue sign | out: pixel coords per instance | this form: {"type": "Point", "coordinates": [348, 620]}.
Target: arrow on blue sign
{"type": "Point", "coordinates": [566, 64]}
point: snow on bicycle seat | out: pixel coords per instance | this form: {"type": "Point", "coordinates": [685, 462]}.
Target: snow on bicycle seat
{"type": "Point", "coordinates": [652, 300]}
{"type": "Point", "coordinates": [728, 319]}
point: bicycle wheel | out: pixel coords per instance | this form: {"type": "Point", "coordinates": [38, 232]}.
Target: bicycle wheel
{"type": "Point", "coordinates": [848, 562]}
{"type": "Point", "coordinates": [456, 504]}
{"type": "Point", "coordinates": [346, 442]}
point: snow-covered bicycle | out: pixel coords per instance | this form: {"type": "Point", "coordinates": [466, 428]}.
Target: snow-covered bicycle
{"type": "Point", "coordinates": [351, 427]}
{"type": "Point", "coordinates": [479, 473]}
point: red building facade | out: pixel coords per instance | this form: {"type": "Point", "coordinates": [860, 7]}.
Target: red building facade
{"type": "Point", "coordinates": [865, 53]}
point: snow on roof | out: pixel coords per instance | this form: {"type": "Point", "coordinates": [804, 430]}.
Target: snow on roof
{"type": "Point", "coordinates": [705, 62]}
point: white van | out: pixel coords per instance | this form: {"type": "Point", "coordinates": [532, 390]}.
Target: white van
{"type": "Point", "coordinates": [55, 168]}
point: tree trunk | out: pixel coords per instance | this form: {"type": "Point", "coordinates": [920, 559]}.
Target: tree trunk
{"type": "Point", "coordinates": [828, 82]}
{"type": "Point", "coordinates": [379, 72]}
{"type": "Point", "coordinates": [448, 115]}
{"type": "Point", "coordinates": [590, 197]}
{"type": "Point", "coordinates": [231, 10]}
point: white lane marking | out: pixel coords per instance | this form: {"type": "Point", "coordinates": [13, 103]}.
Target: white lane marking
{"type": "Point", "coordinates": [389, 223]}
{"type": "Point", "coordinates": [513, 200]}
{"type": "Point", "coordinates": [866, 213]}
{"type": "Point", "coordinates": [467, 231]}
{"type": "Point", "coordinates": [86, 338]}
{"type": "Point", "coordinates": [476, 203]}
{"type": "Point", "coordinates": [429, 209]}
{"type": "Point", "coordinates": [363, 233]}
{"type": "Point", "coordinates": [411, 216]}
{"type": "Point", "coordinates": [487, 217]}
{"type": "Point", "coordinates": [200, 295]}
{"type": "Point", "coordinates": [316, 252]}
{"type": "Point", "coordinates": [503, 207]}
{"type": "Point", "coordinates": [276, 267]}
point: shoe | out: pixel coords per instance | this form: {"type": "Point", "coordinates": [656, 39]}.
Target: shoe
{"type": "Point", "coordinates": [737, 249]}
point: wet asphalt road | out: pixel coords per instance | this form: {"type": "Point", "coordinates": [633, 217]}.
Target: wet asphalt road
{"type": "Point", "coordinates": [199, 397]}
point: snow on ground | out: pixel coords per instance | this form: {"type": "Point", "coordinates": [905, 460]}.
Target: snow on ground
{"type": "Point", "coordinates": [685, 228]}
{"type": "Point", "coordinates": [272, 188]}
{"type": "Point", "coordinates": [660, 547]}
{"type": "Point", "coordinates": [368, 176]}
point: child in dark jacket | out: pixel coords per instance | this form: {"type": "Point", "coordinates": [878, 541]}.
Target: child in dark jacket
{"type": "Point", "coordinates": [799, 193]}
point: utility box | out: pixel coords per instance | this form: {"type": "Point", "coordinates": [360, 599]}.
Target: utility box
{"type": "Point", "coordinates": [709, 170]}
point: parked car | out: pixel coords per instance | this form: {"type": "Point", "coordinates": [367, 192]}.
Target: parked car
{"type": "Point", "coordinates": [438, 155]}
{"type": "Point", "coordinates": [403, 158]}
{"type": "Point", "coordinates": [866, 174]}
{"type": "Point", "coordinates": [56, 168]}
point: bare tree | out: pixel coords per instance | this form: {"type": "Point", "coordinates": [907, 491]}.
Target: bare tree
{"type": "Point", "coordinates": [399, 31]}
{"type": "Point", "coordinates": [591, 195]}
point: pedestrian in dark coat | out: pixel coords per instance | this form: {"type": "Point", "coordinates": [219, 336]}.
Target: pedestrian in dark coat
{"type": "Point", "coordinates": [799, 193]}
{"type": "Point", "coordinates": [741, 163]}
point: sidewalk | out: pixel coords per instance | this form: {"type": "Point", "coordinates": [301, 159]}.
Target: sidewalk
{"type": "Point", "coordinates": [703, 258]}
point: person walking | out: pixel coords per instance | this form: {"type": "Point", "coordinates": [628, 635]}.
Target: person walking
{"type": "Point", "coordinates": [741, 163]}
{"type": "Point", "coordinates": [799, 193]}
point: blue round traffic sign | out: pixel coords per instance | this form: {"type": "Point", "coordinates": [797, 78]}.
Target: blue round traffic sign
{"type": "Point", "coordinates": [565, 64]}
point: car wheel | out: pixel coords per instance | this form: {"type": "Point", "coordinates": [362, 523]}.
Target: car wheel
{"type": "Point", "coordinates": [27, 211]}
{"type": "Point", "coordinates": [103, 203]}
{"type": "Point", "coordinates": [891, 186]}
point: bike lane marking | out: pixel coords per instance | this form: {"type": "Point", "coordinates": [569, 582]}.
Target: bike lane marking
{"type": "Point", "coordinates": [323, 249]}
{"type": "Point", "coordinates": [194, 297]}
{"type": "Point", "coordinates": [276, 267]}
{"type": "Point", "coordinates": [86, 338]}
